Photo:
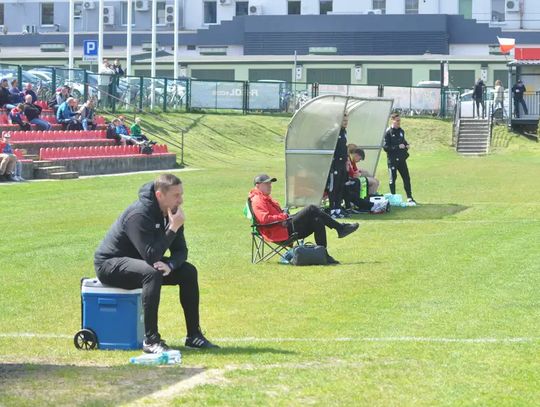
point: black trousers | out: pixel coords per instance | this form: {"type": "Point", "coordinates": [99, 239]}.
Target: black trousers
{"type": "Point", "coordinates": [480, 103]}
{"type": "Point", "coordinates": [128, 273]}
{"type": "Point", "coordinates": [401, 167]}
{"type": "Point", "coordinates": [336, 185]}
{"type": "Point", "coordinates": [310, 220]}
{"type": "Point", "coordinates": [521, 102]}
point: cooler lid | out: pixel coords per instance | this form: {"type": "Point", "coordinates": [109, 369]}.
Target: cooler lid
{"type": "Point", "coordinates": [93, 285]}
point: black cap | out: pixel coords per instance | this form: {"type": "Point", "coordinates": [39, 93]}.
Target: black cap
{"type": "Point", "coordinates": [263, 178]}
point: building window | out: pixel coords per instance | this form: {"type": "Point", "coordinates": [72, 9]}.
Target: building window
{"type": "Point", "coordinates": [325, 6]}
{"type": "Point", "coordinates": [210, 12]}
{"type": "Point", "coordinates": [242, 8]}
{"type": "Point", "coordinates": [1, 14]}
{"type": "Point", "coordinates": [161, 18]}
{"type": "Point", "coordinates": [379, 5]}
{"type": "Point", "coordinates": [497, 11]}
{"type": "Point", "coordinates": [47, 13]}
{"type": "Point", "coordinates": [294, 7]}
{"type": "Point", "coordinates": [125, 16]}
{"type": "Point", "coordinates": [411, 6]}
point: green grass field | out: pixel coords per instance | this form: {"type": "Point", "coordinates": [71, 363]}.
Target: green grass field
{"type": "Point", "coordinates": [433, 305]}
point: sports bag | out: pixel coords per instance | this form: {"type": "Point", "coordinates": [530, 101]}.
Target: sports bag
{"type": "Point", "coordinates": [309, 255]}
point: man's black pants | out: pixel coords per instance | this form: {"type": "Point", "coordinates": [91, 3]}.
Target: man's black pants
{"type": "Point", "coordinates": [521, 102]}
{"type": "Point", "coordinates": [401, 167]}
{"type": "Point", "coordinates": [337, 179]}
{"type": "Point", "coordinates": [310, 220]}
{"type": "Point", "coordinates": [128, 273]}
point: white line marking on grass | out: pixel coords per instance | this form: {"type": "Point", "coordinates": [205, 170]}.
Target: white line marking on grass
{"type": "Point", "coordinates": [35, 335]}
{"type": "Point", "coordinates": [384, 339]}
{"type": "Point", "coordinates": [164, 396]}
{"type": "Point", "coordinates": [342, 339]}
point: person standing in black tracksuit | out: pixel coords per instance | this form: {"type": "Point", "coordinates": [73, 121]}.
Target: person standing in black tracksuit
{"type": "Point", "coordinates": [338, 172]}
{"type": "Point", "coordinates": [396, 148]}
{"type": "Point", "coordinates": [132, 256]}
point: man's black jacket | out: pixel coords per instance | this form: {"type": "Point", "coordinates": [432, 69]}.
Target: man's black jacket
{"type": "Point", "coordinates": [140, 233]}
{"type": "Point", "coordinates": [392, 139]}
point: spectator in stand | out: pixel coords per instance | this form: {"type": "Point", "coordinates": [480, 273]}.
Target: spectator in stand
{"type": "Point", "coordinates": [32, 113]}
{"type": "Point", "coordinates": [16, 117]}
{"type": "Point", "coordinates": [111, 131]}
{"type": "Point", "coordinates": [5, 96]}
{"type": "Point", "coordinates": [8, 160]}
{"type": "Point", "coordinates": [15, 92]}
{"type": "Point", "coordinates": [136, 131]}
{"type": "Point", "coordinates": [60, 97]}
{"type": "Point", "coordinates": [86, 115]}
{"type": "Point", "coordinates": [29, 91]}
{"type": "Point", "coordinates": [67, 116]}
{"type": "Point", "coordinates": [123, 131]}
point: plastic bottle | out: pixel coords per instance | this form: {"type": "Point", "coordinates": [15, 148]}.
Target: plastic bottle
{"type": "Point", "coordinates": [151, 359]}
{"type": "Point", "coordinates": [175, 357]}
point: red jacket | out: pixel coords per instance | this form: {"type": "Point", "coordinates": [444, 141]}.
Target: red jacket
{"type": "Point", "coordinates": [267, 210]}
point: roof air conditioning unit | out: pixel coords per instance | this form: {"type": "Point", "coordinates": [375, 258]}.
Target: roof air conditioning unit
{"type": "Point", "coordinates": [29, 29]}
{"type": "Point", "coordinates": [142, 5]}
{"type": "Point", "coordinates": [511, 6]}
{"type": "Point", "coordinates": [108, 15]}
{"type": "Point", "coordinates": [224, 2]}
{"type": "Point", "coordinates": [375, 11]}
{"type": "Point", "coordinates": [169, 14]}
{"type": "Point", "coordinates": [255, 10]}
{"type": "Point", "coordinates": [89, 5]}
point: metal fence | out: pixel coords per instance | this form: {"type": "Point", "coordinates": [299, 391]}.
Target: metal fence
{"type": "Point", "coordinates": [131, 93]}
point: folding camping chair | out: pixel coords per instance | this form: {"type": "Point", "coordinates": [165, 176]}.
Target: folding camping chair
{"type": "Point", "coordinates": [261, 249]}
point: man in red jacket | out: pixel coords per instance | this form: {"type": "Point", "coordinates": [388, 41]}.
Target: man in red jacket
{"type": "Point", "coordinates": [309, 220]}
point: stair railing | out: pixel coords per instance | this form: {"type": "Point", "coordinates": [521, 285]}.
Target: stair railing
{"type": "Point", "coordinates": [456, 122]}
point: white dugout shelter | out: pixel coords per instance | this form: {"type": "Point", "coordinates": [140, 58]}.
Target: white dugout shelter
{"type": "Point", "coordinates": [312, 136]}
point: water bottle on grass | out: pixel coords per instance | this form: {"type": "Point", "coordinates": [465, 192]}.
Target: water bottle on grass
{"type": "Point", "coordinates": [171, 357]}
{"type": "Point", "coordinates": [150, 359]}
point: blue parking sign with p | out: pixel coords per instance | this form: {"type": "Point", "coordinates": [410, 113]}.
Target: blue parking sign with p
{"type": "Point", "coordinates": [90, 47]}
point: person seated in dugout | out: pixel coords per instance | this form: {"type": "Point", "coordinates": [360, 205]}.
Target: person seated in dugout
{"type": "Point", "coordinates": [310, 220]}
{"type": "Point", "coordinates": [355, 156]}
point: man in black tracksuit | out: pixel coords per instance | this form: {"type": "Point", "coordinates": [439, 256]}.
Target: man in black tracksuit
{"type": "Point", "coordinates": [338, 172]}
{"type": "Point", "coordinates": [396, 148]}
{"type": "Point", "coordinates": [132, 256]}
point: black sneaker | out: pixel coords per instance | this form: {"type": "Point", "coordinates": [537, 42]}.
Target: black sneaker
{"type": "Point", "coordinates": [347, 229]}
{"type": "Point", "coordinates": [199, 342]}
{"type": "Point", "coordinates": [155, 347]}
{"type": "Point", "coordinates": [331, 260]}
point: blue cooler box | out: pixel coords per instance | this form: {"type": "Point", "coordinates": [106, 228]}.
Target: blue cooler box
{"type": "Point", "coordinates": [115, 315]}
